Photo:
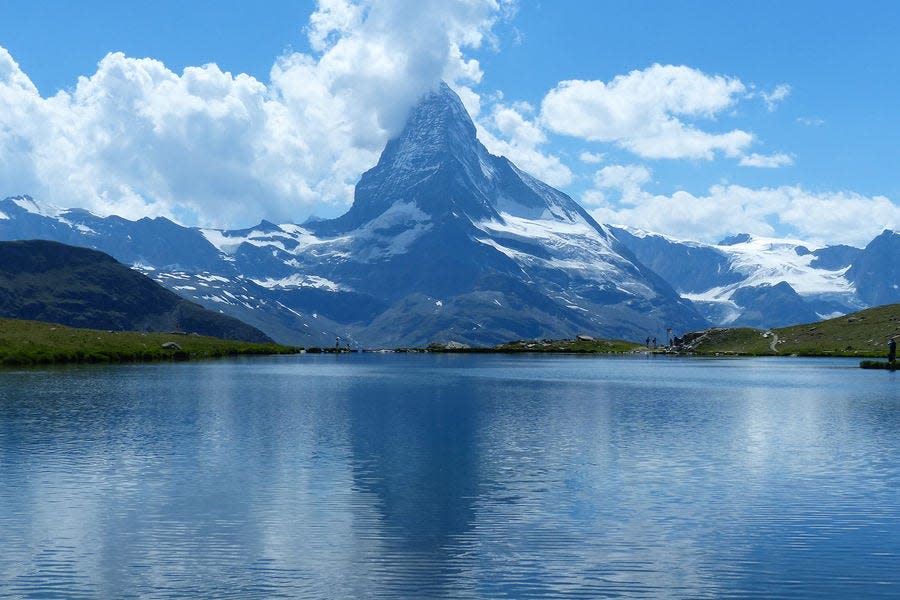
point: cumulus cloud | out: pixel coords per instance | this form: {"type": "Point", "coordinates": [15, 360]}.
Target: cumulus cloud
{"type": "Point", "coordinates": [628, 179]}
{"type": "Point", "coordinates": [645, 111]}
{"type": "Point", "coordinates": [825, 217]}
{"type": "Point", "coordinates": [332, 19]}
{"type": "Point", "coordinates": [767, 161]}
{"type": "Point", "coordinates": [212, 148]}
{"type": "Point", "coordinates": [508, 132]}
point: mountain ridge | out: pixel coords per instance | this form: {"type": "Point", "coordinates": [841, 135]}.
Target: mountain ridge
{"type": "Point", "coordinates": [444, 242]}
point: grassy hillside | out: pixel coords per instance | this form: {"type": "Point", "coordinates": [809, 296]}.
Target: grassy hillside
{"type": "Point", "coordinates": [863, 334]}
{"type": "Point", "coordinates": [79, 287]}
{"type": "Point", "coordinates": [24, 343]}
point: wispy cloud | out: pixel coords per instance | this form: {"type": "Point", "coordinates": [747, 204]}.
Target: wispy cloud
{"type": "Point", "coordinates": [776, 96]}
{"type": "Point", "coordinates": [767, 161]}
{"type": "Point", "coordinates": [591, 158]}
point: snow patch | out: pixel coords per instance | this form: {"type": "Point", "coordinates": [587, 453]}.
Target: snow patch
{"type": "Point", "coordinates": [208, 277]}
{"type": "Point", "coordinates": [768, 261]}
{"type": "Point", "coordinates": [299, 281]}
{"type": "Point", "coordinates": [386, 241]}
{"type": "Point", "coordinates": [572, 245]}
{"type": "Point", "coordinates": [32, 206]}
{"type": "Point", "coordinates": [77, 226]}
{"type": "Point", "coordinates": [290, 310]}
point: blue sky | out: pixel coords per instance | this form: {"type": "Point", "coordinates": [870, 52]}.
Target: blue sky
{"type": "Point", "coordinates": [777, 118]}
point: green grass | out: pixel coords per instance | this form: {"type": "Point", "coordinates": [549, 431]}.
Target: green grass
{"type": "Point", "coordinates": [740, 341]}
{"type": "Point", "coordinates": [861, 334]}
{"type": "Point", "coordinates": [26, 343]}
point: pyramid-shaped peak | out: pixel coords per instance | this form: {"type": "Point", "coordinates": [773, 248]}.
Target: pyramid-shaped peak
{"type": "Point", "coordinates": [438, 164]}
{"type": "Point", "coordinates": [441, 107]}
{"type": "Point", "coordinates": [439, 121]}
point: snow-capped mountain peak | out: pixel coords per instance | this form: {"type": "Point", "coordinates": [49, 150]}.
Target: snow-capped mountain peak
{"type": "Point", "coordinates": [444, 241]}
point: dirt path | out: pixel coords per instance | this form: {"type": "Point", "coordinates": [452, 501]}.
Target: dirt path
{"type": "Point", "coordinates": [773, 342]}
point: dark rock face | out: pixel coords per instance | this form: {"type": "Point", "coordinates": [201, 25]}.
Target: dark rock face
{"type": "Point", "coordinates": [686, 267]}
{"type": "Point", "coordinates": [876, 270]}
{"type": "Point", "coordinates": [835, 257]}
{"type": "Point", "coordinates": [776, 305]}
{"type": "Point", "coordinates": [734, 240]}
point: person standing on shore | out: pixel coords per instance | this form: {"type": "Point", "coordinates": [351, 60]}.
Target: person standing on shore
{"type": "Point", "coordinates": [892, 349]}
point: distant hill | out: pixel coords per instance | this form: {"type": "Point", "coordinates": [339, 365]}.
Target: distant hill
{"type": "Point", "coordinates": [864, 333]}
{"type": "Point", "coordinates": [53, 282]}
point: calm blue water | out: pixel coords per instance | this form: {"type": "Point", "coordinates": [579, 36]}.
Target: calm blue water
{"type": "Point", "coordinates": [419, 476]}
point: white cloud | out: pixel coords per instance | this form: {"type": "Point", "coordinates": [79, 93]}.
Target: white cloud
{"type": "Point", "coordinates": [332, 19]}
{"type": "Point", "coordinates": [767, 161]}
{"type": "Point", "coordinates": [825, 217]}
{"type": "Point", "coordinates": [773, 98]}
{"type": "Point", "coordinates": [213, 148]}
{"type": "Point", "coordinates": [508, 133]}
{"type": "Point", "coordinates": [673, 140]}
{"type": "Point", "coordinates": [628, 179]}
{"type": "Point", "coordinates": [643, 111]}
{"type": "Point", "coordinates": [591, 158]}
{"type": "Point", "coordinates": [810, 121]}
{"type": "Point", "coordinates": [471, 100]}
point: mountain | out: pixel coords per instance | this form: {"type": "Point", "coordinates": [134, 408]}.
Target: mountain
{"type": "Point", "coordinates": [158, 241]}
{"type": "Point", "coordinates": [53, 282]}
{"type": "Point", "coordinates": [766, 282]}
{"type": "Point", "coordinates": [876, 272]}
{"type": "Point", "coordinates": [444, 241]}
{"type": "Point", "coordinates": [463, 245]}
{"type": "Point", "coordinates": [183, 260]}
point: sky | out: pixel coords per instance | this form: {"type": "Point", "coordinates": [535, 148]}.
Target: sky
{"type": "Point", "coordinates": [695, 119]}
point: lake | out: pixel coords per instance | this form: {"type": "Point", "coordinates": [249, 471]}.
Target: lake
{"type": "Point", "coordinates": [451, 476]}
